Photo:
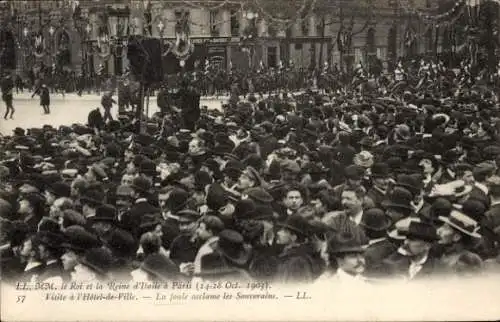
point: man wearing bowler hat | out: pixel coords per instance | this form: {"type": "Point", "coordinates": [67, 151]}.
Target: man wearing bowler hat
{"type": "Point", "coordinates": [482, 172]}
{"type": "Point", "coordinates": [184, 247]}
{"type": "Point", "coordinates": [346, 259]}
{"type": "Point", "coordinates": [380, 178]}
{"type": "Point", "coordinates": [105, 220]}
{"type": "Point", "coordinates": [413, 259]}
{"type": "Point", "coordinates": [132, 219]}
{"type": "Point", "coordinates": [295, 262]}
{"type": "Point", "coordinates": [376, 225]}
{"type": "Point", "coordinates": [50, 250]}
{"type": "Point", "coordinates": [77, 241]}
{"type": "Point", "coordinates": [229, 260]}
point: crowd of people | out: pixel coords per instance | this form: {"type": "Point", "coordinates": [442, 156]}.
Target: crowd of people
{"type": "Point", "coordinates": [342, 181]}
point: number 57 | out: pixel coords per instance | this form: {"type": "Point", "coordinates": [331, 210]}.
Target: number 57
{"type": "Point", "coordinates": [21, 298]}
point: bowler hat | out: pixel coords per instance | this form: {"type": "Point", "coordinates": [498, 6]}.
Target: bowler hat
{"type": "Point", "coordinates": [345, 242]}
{"type": "Point", "coordinates": [409, 182]}
{"type": "Point", "coordinates": [121, 243]}
{"type": "Point", "coordinates": [72, 217]}
{"type": "Point", "coordinates": [92, 197]}
{"type": "Point", "coordinates": [50, 225]}
{"type": "Point", "coordinates": [160, 266]}
{"type": "Point", "coordinates": [177, 199]}
{"type": "Point", "coordinates": [244, 209]}
{"type": "Point", "coordinates": [297, 224]}
{"type": "Point", "coordinates": [147, 167]}
{"type": "Point", "coordinates": [375, 219]}
{"type": "Point", "coordinates": [259, 195]}
{"type": "Point", "coordinates": [441, 207]}
{"type": "Point", "coordinates": [354, 172]}
{"type": "Point", "coordinates": [105, 213]}
{"type": "Point", "coordinates": [474, 208]}
{"type": "Point", "coordinates": [149, 222]}
{"type": "Point", "coordinates": [79, 239]}
{"type": "Point", "coordinates": [141, 184]}
{"type": "Point", "coordinates": [232, 247]}
{"type": "Point", "coordinates": [399, 198]}
{"type": "Point", "coordinates": [98, 259]}
{"type": "Point", "coordinates": [483, 169]}
{"type": "Point", "coordinates": [380, 170]}
{"type": "Point", "coordinates": [50, 239]}
{"type": "Point", "coordinates": [60, 189]}
{"type": "Point", "coordinates": [421, 231]}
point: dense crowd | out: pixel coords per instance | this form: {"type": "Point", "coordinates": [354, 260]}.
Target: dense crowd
{"type": "Point", "coordinates": [356, 183]}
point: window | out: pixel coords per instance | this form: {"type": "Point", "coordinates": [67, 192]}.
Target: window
{"type": "Point", "coordinates": [235, 24]}
{"type": "Point", "coordinates": [298, 46]}
{"type": "Point", "coordinates": [370, 41]}
{"type": "Point", "coordinates": [272, 56]}
{"type": "Point", "coordinates": [214, 27]}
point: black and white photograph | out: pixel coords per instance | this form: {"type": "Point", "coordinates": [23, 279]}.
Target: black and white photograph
{"type": "Point", "coordinates": [249, 160]}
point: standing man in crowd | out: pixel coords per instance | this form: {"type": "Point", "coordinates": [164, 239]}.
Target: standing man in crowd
{"type": "Point", "coordinates": [107, 102]}
{"type": "Point", "coordinates": [44, 93]}
{"type": "Point", "coordinates": [7, 96]}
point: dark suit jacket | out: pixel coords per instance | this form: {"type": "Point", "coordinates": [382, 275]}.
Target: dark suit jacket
{"type": "Point", "coordinates": [10, 265]}
{"type": "Point", "coordinates": [183, 249]}
{"type": "Point", "coordinates": [54, 269]}
{"type": "Point", "coordinates": [170, 229]}
{"type": "Point", "coordinates": [489, 223]}
{"type": "Point", "coordinates": [376, 253]}
{"type": "Point", "coordinates": [296, 265]}
{"type": "Point", "coordinates": [398, 264]}
{"type": "Point", "coordinates": [131, 220]}
{"type": "Point", "coordinates": [479, 194]}
{"type": "Point", "coordinates": [376, 196]}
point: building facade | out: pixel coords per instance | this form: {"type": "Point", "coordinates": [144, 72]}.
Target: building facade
{"type": "Point", "coordinates": [377, 28]}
